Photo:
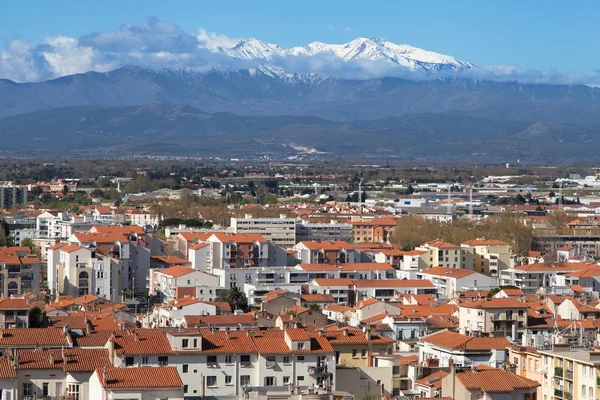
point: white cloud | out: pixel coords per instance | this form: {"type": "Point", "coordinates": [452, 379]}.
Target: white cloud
{"type": "Point", "coordinates": [347, 29]}
{"type": "Point", "coordinates": [212, 40]}
{"type": "Point", "coordinates": [331, 28]}
{"type": "Point", "coordinates": [160, 44]}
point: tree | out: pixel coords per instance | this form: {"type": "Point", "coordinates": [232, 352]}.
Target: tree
{"type": "Point", "coordinates": [237, 299]}
{"type": "Point", "coordinates": [36, 318]}
{"type": "Point", "coordinates": [410, 190]}
{"type": "Point", "coordinates": [315, 307]}
{"type": "Point", "coordinates": [28, 242]}
{"type": "Point", "coordinates": [65, 190]}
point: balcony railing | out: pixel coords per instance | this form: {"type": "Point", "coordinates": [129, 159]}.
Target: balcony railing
{"type": "Point", "coordinates": [317, 370]}
{"type": "Point", "coordinates": [569, 375]}
{"type": "Point", "coordinates": [558, 371]}
{"type": "Point", "coordinates": [568, 395]}
{"type": "Point", "coordinates": [558, 393]}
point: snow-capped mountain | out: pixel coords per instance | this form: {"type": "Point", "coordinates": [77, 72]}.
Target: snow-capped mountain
{"type": "Point", "coordinates": [376, 49]}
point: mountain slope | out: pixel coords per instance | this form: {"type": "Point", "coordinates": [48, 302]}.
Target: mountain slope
{"type": "Point", "coordinates": [264, 92]}
{"type": "Point", "coordinates": [178, 130]}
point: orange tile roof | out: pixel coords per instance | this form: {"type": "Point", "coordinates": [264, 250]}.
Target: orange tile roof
{"type": "Point", "coordinates": [494, 380]}
{"type": "Point", "coordinates": [414, 253]}
{"type": "Point", "coordinates": [177, 271]}
{"type": "Point", "coordinates": [334, 282]}
{"type": "Point", "coordinates": [298, 310]}
{"type": "Point", "coordinates": [14, 304]}
{"type": "Point", "coordinates": [441, 245]}
{"type": "Point", "coordinates": [355, 336]}
{"type": "Point", "coordinates": [26, 337]}
{"type": "Point", "coordinates": [142, 378]}
{"type": "Point", "coordinates": [7, 371]}
{"type": "Point", "coordinates": [85, 299]}
{"type": "Point", "coordinates": [172, 260]}
{"type": "Point", "coordinates": [273, 342]}
{"type": "Point", "coordinates": [366, 303]}
{"type": "Point", "coordinates": [122, 229]}
{"type": "Point", "coordinates": [273, 294]}
{"type": "Point", "coordinates": [376, 222]}
{"type": "Point", "coordinates": [191, 236]}
{"type": "Point", "coordinates": [375, 283]}
{"type": "Point", "coordinates": [513, 292]}
{"type": "Point", "coordinates": [70, 248]}
{"type": "Point", "coordinates": [485, 242]}
{"type": "Point", "coordinates": [433, 380]}
{"type": "Point", "coordinates": [318, 298]}
{"type": "Point", "coordinates": [297, 334]}
{"type": "Point", "coordinates": [409, 359]}
{"type": "Point", "coordinates": [74, 359]}
{"type": "Point", "coordinates": [448, 272]}
{"type": "Point", "coordinates": [239, 238]}
{"type": "Point", "coordinates": [495, 303]}
{"type": "Point", "coordinates": [338, 308]}
{"type": "Point", "coordinates": [58, 246]}
{"type": "Point", "coordinates": [219, 320]}
{"type": "Point", "coordinates": [199, 246]}
{"type": "Point", "coordinates": [453, 340]}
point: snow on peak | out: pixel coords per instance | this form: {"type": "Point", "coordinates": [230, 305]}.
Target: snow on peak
{"type": "Point", "coordinates": [375, 49]}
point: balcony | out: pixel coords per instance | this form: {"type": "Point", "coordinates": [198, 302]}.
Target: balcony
{"type": "Point", "coordinates": [558, 372]}
{"type": "Point", "coordinates": [569, 375]}
{"type": "Point", "coordinates": [245, 364]}
{"type": "Point", "coordinates": [504, 317]}
{"type": "Point", "coordinates": [317, 370]}
{"type": "Point", "coordinates": [558, 393]}
{"type": "Point", "coordinates": [271, 364]}
{"type": "Point", "coordinates": [211, 364]}
{"type": "Point", "coordinates": [568, 395]}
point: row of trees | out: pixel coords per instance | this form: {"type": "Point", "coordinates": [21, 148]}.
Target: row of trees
{"type": "Point", "coordinates": [412, 232]}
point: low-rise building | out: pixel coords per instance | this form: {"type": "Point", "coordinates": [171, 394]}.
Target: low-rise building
{"type": "Point", "coordinates": [498, 317]}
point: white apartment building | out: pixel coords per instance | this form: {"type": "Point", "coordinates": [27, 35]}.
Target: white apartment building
{"type": "Point", "coordinates": [230, 361]}
{"type": "Point", "coordinates": [281, 231]}
{"type": "Point", "coordinates": [449, 280]}
{"type": "Point", "coordinates": [320, 231]}
{"type": "Point", "coordinates": [164, 283]}
{"type": "Point", "coordinates": [77, 271]}
{"type": "Point", "coordinates": [530, 278]}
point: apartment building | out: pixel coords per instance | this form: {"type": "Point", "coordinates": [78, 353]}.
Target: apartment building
{"type": "Point", "coordinates": [447, 255]}
{"type": "Point", "coordinates": [498, 317]}
{"type": "Point", "coordinates": [386, 289]}
{"type": "Point", "coordinates": [530, 278]}
{"type": "Point", "coordinates": [373, 231]}
{"type": "Point", "coordinates": [448, 281]}
{"type": "Point", "coordinates": [490, 256]}
{"type": "Point", "coordinates": [143, 219]}
{"type": "Point", "coordinates": [136, 383]}
{"type": "Point", "coordinates": [76, 271]}
{"type": "Point", "coordinates": [19, 271]}
{"type": "Point", "coordinates": [164, 283]}
{"type": "Point", "coordinates": [484, 383]}
{"type": "Point", "coordinates": [321, 231]}
{"type": "Point", "coordinates": [571, 373]}
{"type": "Point", "coordinates": [280, 231]}
{"type": "Point", "coordinates": [13, 196]}
{"type": "Point", "coordinates": [445, 348]}
{"type": "Point", "coordinates": [230, 362]}
{"type": "Point", "coordinates": [326, 252]}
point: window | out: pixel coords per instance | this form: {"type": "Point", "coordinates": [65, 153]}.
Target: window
{"type": "Point", "coordinates": [211, 360]}
{"type": "Point", "coordinates": [228, 360]}
{"type": "Point", "coordinates": [163, 360]}
{"type": "Point", "coordinates": [286, 380]}
{"type": "Point", "coordinates": [185, 343]}
{"type": "Point", "coordinates": [185, 388]}
{"type": "Point", "coordinates": [185, 368]}
{"type": "Point", "coordinates": [73, 390]}
{"type": "Point", "coordinates": [27, 389]}
{"type": "Point", "coordinates": [363, 353]}
{"type": "Point", "coordinates": [480, 313]}
{"type": "Point", "coordinates": [244, 380]}
{"type": "Point", "coordinates": [583, 390]}
{"type": "Point", "coordinates": [228, 379]}
{"type": "Point", "coordinates": [300, 378]}
{"type": "Point", "coordinates": [195, 343]}
{"type": "Point", "coordinates": [144, 360]}
{"type": "Point", "coordinates": [269, 381]}
{"type": "Point", "coordinates": [286, 359]}
{"type": "Point", "coordinates": [211, 381]}
{"type": "Point", "coordinates": [45, 389]}
{"type": "Point", "coordinates": [353, 353]}
{"type": "Point", "coordinates": [591, 392]}
{"type": "Point", "coordinates": [583, 370]}
{"type": "Point", "coordinates": [129, 361]}
{"type": "Point", "coordinates": [300, 358]}
{"type": "Point", "coordinates": [300, 345]}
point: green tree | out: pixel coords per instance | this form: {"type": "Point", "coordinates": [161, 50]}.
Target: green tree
{"type": "Point", "coordinates": [65, 189]}
{"type": "Point", "coordinates": [36, 318]}
{"type": "Point", "coordinates": [237, 299]}
{"type": "Point", "coordinates": [315, 307]}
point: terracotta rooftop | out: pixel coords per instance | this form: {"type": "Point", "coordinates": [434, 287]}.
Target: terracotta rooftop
{"type": "Point", "coordinates": [453, 340]}
{"type": "Point", "coordinates": [130, 378]}
{"type": "Point", "coordinates": [495, 303]}
{"type": "Point", "coordinates": [434, 380]}
{"type": "Point", "coordinates": [385, 283]}
{"type": "Point", "coordinates": [171, 260]}
{"type": "Point", "coordinates": [74, 359]}
{"type": "Point", "coordinates": [494, 380]}
{"type": "Point", "coordinates": [177, 271]}
{"type": "Point", "coordinates": [30, 337]}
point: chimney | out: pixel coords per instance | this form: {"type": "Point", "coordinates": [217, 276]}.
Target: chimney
{"type": "Point", "coordinates": [346, 332]}
{"type": "Point", "coordinates": [15, 357]}
{"type": "Point", "coordinates": [62, 353]}
{"type": "Point", "coordinates": [382, 390]}
{"type": "Point", "coordinates": [227, 335]}
{"type": "Point", "coordinates": [1, 332]}
{"type": "Point", "coordinates": [137, 337]}
{"type": "Point", "coordinates": [51, 358]}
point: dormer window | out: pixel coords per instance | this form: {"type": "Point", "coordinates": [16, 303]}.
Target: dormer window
{"type": "Point", "coordinates": [300, 345]}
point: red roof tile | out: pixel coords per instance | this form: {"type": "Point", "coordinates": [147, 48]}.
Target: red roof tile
{"type": "Point", "coordinates": [130, 378]}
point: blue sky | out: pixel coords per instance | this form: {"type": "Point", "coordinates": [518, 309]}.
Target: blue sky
{"type": "Point", "coordinates": [545, 35]}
